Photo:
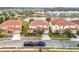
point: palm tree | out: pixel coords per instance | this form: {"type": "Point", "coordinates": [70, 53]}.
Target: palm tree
{"type": "Point", "coordinates": [31, 20]}
{"type": "Point", "coordinates": [48, 19]}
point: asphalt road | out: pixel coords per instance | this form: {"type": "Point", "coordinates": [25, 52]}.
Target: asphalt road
{"type": "Point", "coordinates": [49, 43]}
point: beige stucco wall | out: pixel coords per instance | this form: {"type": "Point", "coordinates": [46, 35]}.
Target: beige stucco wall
{"type": "Point", "coordinates": [56, 27]}
{"type": "Point", "coordinates": [41, 26]}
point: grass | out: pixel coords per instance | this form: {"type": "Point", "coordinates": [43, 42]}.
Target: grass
{"type": "Point", "coordinates": [57, 36]}
{"type": "Point", "coordinates": [25, 24]}
{"type": "Point", "coordinates": [37, 49]}
{"type": "Point", "coordinates": [32, 35]}
{"type": "Point", "coordinates": [78, 33]}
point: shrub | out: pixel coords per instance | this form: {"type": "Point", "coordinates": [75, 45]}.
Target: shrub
{"type": "Point", "coordinates": [77, 32]}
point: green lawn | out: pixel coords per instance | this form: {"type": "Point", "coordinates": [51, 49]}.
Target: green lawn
{"type": "Point", "coordinates": [33, 35]}
{"type": "Point", "coordinates": [38, 49]}
{"type": "Point", "coordinates": [57, 36]}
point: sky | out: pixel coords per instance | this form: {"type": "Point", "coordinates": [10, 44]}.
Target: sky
{"type": "Point", "coordinates": [39, 3]}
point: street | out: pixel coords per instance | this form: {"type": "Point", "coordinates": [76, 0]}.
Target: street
{"type": "Point", "coordinates": [49, 43]}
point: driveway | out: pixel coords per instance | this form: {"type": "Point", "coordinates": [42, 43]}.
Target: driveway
{"type": "Point", "coordinates": [16, 36]}
{"type": "Point", "coordinates": [45, 35]}
{"type": "Point", "coordinates": [75, 39]}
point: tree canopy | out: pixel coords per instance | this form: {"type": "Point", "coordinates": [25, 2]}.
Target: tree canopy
{"type": "Point", "coordinates": [1, 20]}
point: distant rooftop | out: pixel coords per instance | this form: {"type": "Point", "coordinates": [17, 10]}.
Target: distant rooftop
{"type": "Point", "coordinates": [61, 22]}
{"type": "Point", "coordinates": [46, 8]}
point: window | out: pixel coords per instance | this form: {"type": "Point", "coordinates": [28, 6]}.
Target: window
{"type": "Point", "coordinates": [9, 32]}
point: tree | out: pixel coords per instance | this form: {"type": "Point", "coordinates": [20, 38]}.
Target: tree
{"type": "Point", "coordinates": [77, 32]}
{"type": "Point", "coordinates": [68, 33]}
{"type": "Point", "coordinates": [31, 20]}
{"type": "Point", "coordinates": [48, 19]}
{"type": "Point", "coordinates": [40, 49]}
{"type": "Point", "coordinates": [1, 30]}
{"type": "Point", "coordinates": [29, 12]}
{"type": "Point", "coordinates": [5, 16]}
{"type": "Point", "coordinates": [19, 18]}
{"type": "Point", "coordinates": [25, 27]}
{"type": "Point", "coordinates": [10, 13]}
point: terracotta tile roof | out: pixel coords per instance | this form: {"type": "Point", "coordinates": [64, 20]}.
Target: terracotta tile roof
{"type": "Point", "coordinates": [75, 21]}
{"type": "Point", "coordinates": [61, 22]}
{"type": "Point", "coordinates": [38, 22]}
{"type": "Point", "coordinates": [71, 29]}
{"type": "Point", "coordinates": [10, 23]}
{"type": "Point", "coordinates": [16, 29]}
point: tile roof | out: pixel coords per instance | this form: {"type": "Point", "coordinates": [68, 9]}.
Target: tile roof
{"type": "Point", "coordinates": [61, 22]}
{"type": "Point", "coordinates": [10, 23]}
{"type": "Point", "coordinates": [38, 22]}
{"type": "Point", "coordinates": [75, 21]}
{"type": "Point", "coordinates": [71, 29]}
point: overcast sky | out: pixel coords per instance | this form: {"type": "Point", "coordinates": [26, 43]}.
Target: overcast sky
{"type": "Point", "coordinates": [39, 3]}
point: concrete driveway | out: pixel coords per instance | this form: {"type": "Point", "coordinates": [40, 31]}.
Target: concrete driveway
{"type": "Point", "coordinates": [16, 36]}
{"type": "Point", "coordinates": [45, 35]}
{"type": "Point", "coordinates": [75, 39]}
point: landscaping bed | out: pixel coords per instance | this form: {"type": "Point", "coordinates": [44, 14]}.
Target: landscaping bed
{"type": "Point", "coordinates": [31, 38]}
{"type": "Point", "coordinates": [32, 35]}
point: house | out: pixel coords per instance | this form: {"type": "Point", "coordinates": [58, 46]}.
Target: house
{"type": "Point", "coordinates": [76, 22]}
{"type": "Point", "coordinates": [12, 26]}
{"type": "Point", "coordinates": [59, 25]}
{"type": "Point", "coordinates": [39, 24]}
